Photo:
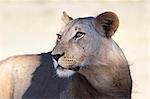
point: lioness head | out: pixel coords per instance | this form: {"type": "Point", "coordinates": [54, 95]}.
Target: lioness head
{"type": "Point", "coordinates": [80, 42]}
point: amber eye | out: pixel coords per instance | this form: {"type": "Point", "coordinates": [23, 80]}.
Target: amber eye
{"type": "Point", "coordinates": [59, 36]}
{"type": "Point", "coordinates": [79, 35]}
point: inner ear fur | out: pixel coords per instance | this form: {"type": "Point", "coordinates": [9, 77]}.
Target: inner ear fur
{"type": "Point", "coordinates": [66, 18]}
{"type": "Point", "coordinates": [106, 23]}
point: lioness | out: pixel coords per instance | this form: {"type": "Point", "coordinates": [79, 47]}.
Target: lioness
{"type": "Point", "coordinates": [89, 65]}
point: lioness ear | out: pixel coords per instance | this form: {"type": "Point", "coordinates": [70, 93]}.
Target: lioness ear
{"type": "Point", "coordinates": [66, 18]}
{"type": "Point", "coordinates": [106, 23]}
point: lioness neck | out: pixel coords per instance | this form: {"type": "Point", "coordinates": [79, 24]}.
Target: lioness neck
{"type": "Point", "coordinates": [112, 80]}
{"type": "Point", "coordinates": [112, 85]}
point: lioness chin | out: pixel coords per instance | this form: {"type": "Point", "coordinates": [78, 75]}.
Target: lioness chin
{"type": "Point", "coordinates": [85, 64]}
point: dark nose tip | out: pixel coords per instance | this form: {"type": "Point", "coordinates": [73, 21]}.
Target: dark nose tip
{"type": "Point", "coordinates": [57, 56]}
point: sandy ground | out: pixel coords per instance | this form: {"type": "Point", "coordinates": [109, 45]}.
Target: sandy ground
{"type": "Point", "coordinates": [29, 27]}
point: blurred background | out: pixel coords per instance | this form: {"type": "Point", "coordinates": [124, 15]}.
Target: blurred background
{"type": "Point", "coordinates": [30, 26]}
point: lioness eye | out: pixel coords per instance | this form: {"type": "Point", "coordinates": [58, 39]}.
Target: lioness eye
{"type": "Point", "coordinates": [58, 36]}
{"type": "Point", "coordinates": [79, 34]}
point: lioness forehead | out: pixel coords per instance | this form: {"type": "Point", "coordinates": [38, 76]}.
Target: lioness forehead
{"type": "Point", "coordinates": [79, 24]}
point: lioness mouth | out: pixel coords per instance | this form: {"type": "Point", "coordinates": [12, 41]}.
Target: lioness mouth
{"type": "Point", "coordinates": [74, 69]}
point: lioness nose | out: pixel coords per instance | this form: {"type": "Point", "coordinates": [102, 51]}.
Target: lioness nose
{"type": "Point", "coordinates": [57, 56]}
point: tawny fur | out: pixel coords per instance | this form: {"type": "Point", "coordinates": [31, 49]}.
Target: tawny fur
{"type": "Point", "coordinates": [15, 75]}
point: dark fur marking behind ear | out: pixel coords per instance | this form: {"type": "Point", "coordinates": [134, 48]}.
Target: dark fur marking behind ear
{"type": "Point", "coordinates": [107, 23]}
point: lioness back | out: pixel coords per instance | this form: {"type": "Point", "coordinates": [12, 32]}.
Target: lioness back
{"type": "Point", "coordinates": [29, 76]}
{"type": "Point", "coordinates": [15, 72]}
